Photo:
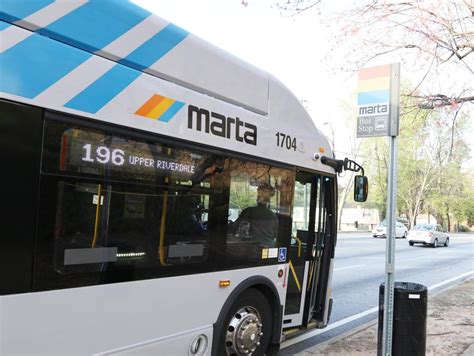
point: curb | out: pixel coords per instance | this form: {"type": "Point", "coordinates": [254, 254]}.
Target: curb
{"type": "Point", "coordinates": [346, 334]}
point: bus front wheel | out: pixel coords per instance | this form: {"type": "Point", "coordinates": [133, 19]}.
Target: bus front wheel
{"type": "Point", "coordinates": [247, 326]}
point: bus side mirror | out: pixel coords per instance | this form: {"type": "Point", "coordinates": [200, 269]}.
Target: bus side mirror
{"type": "Point", "coordinates": [361, 188]}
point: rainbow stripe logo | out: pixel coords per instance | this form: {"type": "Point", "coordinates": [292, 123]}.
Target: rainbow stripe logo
{"type": "Point", "coordinates": [160, 108]}
{"type": "Point", "coordinates": [374, 85]}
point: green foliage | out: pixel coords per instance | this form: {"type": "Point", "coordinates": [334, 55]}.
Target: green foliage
{"type": "Point", "coordinates": [431, 150]}
{"type": "Point", "coordinates": [454, 196]}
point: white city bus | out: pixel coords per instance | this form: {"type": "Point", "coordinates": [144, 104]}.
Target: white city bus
{"type": "Point", "coordinates": [130, 148]}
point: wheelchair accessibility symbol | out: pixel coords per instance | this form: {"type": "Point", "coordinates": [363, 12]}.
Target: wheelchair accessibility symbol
{"type": "Point", "coordinates": [282, 254]}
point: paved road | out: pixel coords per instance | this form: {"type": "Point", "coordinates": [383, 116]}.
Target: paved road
{"type": "Point", "coordinates": [360, 268]}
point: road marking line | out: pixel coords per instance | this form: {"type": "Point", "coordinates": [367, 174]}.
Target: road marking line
{"type": "Point", "coordinates": [434, 286]}
{"type": "Point", "coordinates": [351, 318]}
{"type": "Point", "coordinates": [349, 267]}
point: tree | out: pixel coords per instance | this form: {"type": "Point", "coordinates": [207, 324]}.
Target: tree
{"type": "Point", "coordinates": [429, 167]}
{"type": "Point", "coordinates": [435, 37]}
{"type": "Point", "coordinates": [416, 173]}
{"type": "Point", "coordinates": [450, 195]}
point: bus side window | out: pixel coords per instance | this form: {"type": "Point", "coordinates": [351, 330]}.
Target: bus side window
{"type": "Point", "coordinates": [260, 198]}
{"type": "Point", "coordinates": [113, 209]}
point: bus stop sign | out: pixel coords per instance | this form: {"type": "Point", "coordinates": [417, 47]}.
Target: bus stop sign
{"type": "Point", "coordinates": [378, 101]}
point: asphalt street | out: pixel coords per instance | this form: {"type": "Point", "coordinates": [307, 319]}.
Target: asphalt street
{"type": "Point", "coordinates": [360, 268]}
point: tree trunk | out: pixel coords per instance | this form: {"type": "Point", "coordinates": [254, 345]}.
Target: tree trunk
{"type": "Point", "coordinates": [447, 217]}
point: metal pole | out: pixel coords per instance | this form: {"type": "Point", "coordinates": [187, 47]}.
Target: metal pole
{"type": "Point", "coordinates": [390, 251]}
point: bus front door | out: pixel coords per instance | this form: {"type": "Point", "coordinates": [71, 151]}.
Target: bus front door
{"type": "Point", "coordinates": [310, 252]}
{"type": "Point", "coordinates": [301, 248]}
{"type": "Point", "coordinates": [318, 294]}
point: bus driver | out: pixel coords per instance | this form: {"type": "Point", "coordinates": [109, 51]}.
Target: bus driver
{"type": "Point", "coordinates": [258, 222]}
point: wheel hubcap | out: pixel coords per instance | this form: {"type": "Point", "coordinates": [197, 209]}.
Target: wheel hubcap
{"type": "Point", "coordinates": [244, 332]}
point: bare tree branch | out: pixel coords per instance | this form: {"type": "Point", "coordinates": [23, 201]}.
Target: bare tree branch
{"type": "Point", "coordinates": [439, 100]}
{"type": "Point", "coordinates": [297, 6]}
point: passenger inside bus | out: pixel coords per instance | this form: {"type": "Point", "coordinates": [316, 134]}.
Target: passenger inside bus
{"type": "Point", "coordinates": [258, 222]}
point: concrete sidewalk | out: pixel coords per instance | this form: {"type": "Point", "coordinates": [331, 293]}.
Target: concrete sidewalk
{"type": "Point", "coordinates": [450, 328]}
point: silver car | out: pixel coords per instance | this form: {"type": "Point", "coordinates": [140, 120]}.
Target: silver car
{"type": "Point", "coordinates": [381, 230]}
{"type": "Point", "coordinates": [428, 234]}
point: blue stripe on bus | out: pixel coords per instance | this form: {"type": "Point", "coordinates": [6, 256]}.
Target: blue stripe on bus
{"type": "Point", "coordinates": [155, 48]}
{"type": "Point", "coordinates": [14, 10]}
{"type": "Point", "coordinates": [373, 97]}
{"type": "Point", "coordinates": [4, 25]}
{"type": "Point", "coordinates": [173, 109]}
{"type": "Point", "coordinates": [96, 24]}
{"type": "Point", "coordinates": [104, 89]}
{"type": "Point", "coordinates": [36, 63]}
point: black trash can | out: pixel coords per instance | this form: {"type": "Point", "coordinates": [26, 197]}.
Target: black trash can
{"type": "Point", "coordinates": [410, 305]}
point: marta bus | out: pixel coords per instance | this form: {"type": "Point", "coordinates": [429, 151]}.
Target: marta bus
{"type": "Point", "coordinates": [132, 150]}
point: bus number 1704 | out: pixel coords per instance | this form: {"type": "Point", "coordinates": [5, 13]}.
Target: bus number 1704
{"type": "Point", "coordinates": [286, 141]}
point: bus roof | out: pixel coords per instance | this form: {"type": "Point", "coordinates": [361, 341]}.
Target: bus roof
{"type": "Point", "coordinates": [116, 62]}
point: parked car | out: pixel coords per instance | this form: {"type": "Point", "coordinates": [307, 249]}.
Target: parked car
{"type": "Point", "coordinates": [404, 221]}
{"type": "Point", "coordinates": [428, 234]}
{"type": "Point", "coordinates": [381, 230]}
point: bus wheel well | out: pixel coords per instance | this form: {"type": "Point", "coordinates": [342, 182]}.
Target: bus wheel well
{"type": "Point", "coordinates": [265, 287]}
{"type": "Point", "coordinates": [277, 310]}
{"type": "Point", "coordinates": [271, 297]}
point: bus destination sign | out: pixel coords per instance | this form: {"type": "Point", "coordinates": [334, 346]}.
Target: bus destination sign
{"type": "Point", "coordinates": [94, 154]}
{"type": "Point", "coordinates": [119, 157]}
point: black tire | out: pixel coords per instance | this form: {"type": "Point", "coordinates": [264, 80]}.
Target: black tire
{"type": "Point", "coordinates": [405, 235]}
{"type": "Point", "coordinates": [411, 243]}
{"type": "Point", "coordinates": [446, 243]}
{"type": "Point", "coordinates": [253, 302]}
{"type": "Point", "coordinates": [435, 243]}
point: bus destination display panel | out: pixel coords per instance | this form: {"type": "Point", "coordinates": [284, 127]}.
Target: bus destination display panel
{"type": "Point", "coordinates": [79, 150]}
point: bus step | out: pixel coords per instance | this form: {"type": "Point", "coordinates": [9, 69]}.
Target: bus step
{"type": "Point", "coordinates": [296, 331]}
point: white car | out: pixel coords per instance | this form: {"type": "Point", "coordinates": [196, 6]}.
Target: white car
{"type": "Point", "coordinates": [381, 230]}
{"type": "Point", "coordinates": [428, 234]}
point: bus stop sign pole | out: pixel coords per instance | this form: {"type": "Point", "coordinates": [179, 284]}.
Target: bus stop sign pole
{"type": "Point", "coordinates": [378, 102]}
{"type": "Point", "coordinates": [390, 251]}
{"type": "Point", "coordinates": [391, 207]}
